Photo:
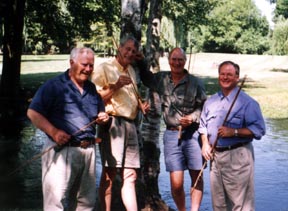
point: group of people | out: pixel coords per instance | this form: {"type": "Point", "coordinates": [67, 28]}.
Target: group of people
{"type": "Point", "coordinates": [68, 107]}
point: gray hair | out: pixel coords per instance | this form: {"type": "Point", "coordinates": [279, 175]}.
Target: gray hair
{"type": "Point", "coordinates": [75, 52]}
{"type": "Point", "coordinates": [177, 48]}
{"type": "Point", "coordinates": [127, 38]}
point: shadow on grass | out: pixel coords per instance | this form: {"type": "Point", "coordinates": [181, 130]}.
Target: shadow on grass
{"type": "Point", "coordinates": [280, 70]}
{"type": "Point", "coordinates": [31, 82]}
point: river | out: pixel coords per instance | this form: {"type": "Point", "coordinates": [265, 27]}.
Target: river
{"type": "Point", "coordinates": [22, 190]}
{"type": "Point", "coordinates": [271, 172]}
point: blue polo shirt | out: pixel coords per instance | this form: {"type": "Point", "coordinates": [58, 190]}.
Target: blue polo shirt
{"type": "Point", "coordinates": [66, 108]}
{"type": "Point", "coordinates": [246, 113]}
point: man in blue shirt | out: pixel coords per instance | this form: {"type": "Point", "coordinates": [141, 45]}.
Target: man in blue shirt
{"type": "Point", "coordinates": [232, 163]}
{"type": "Point", "coordinates": [66, 108]}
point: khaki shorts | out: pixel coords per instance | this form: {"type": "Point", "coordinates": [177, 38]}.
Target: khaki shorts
{"type": "Point", "coordinates": [119, 147]}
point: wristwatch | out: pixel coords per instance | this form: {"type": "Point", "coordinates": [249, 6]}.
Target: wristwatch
{"type": "Point", "coordinates": [236, 132]}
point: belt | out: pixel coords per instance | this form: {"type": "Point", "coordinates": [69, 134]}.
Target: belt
{"type": "Point", "coordinates": [83, 143]}
{"type": "Point", "coordinates": [172, 128]}
{"type": "Point", "coordinates": [226, 148]}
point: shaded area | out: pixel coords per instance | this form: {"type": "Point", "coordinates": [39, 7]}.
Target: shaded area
{"type": "Point", "coordinates": [280, 70]}
{"type": "Point", "coordinates": [21, 188]}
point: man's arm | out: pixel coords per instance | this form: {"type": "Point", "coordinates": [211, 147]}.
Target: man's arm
{"type": "Point", "coordinates": [206, 147]}
{"type": "Point", "coordinates": [41, 122]}
{"type": "Point", "coordinates": [108, 91]}
{"type": "Point", "coordinates": [146, 76]}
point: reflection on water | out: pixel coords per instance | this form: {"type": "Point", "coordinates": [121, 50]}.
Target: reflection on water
{"type": "Point", "coordinates": [22, 190]}
{"type": "Point", "coordinates": [271, 172]}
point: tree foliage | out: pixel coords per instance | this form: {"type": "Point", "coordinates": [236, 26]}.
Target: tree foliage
{"type": "Point", "coordinates": [184, 15]}
{"type": "Point", "coordinates": [234, 27]}
{"type": "Point", "coordinates": [279, 44]}
{"type": "Point", "coordinates": [66, 22]}
{"type": "Point", "coordinates": [281, 8]}
{"type": "Point", "coordinates": [201, 23]}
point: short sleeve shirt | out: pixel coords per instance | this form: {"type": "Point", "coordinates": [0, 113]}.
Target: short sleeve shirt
{"type": "Point", "coordinates": [124, 102]}
{"type": "Point", "coordinates": [185, 98]}
{"type": "Point", "coordinates": [66, 108]}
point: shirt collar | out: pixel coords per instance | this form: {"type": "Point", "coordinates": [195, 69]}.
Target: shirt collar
{"type": "Point", "coordinates": [183, 80]}
{"type": "Point", "coordinates": [231, 95]}
{"type": "Point", "coordinates": [118, 65]}
{"type": "Point", "coordinates": [65, 78]}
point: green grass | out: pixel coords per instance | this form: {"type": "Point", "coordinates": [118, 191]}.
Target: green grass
{"type": "Point", "coordinates": [272, 96]}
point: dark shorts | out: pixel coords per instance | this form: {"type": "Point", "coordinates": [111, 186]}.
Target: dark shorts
{"type": "Point", "coordinates": [187, 155]}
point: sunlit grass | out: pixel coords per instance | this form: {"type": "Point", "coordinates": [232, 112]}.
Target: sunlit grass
{"type": "Point", "coordinates": [272, 96]}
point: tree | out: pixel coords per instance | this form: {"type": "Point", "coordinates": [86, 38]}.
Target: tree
{"type": "Point", "coordinates": [186, 15]}
{"type": "Point", "coordinates": [281, 8]}
{"type": "Point", "coordinates": [280, 37]}
{"type": "Point", "coordinates": [230, 26]}
{"type": "Point", "coordinates": [13, 16]}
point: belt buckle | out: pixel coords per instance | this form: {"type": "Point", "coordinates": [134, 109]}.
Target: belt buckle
{"type": "Point", "coordinates": [85, 144]}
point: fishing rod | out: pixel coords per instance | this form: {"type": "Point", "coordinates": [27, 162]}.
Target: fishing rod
{"type": "Point", "coordinates": [55, 146]}
{"type": "Point", "coordinates": [137, 95]}
{"type": "Point", "coordinates": [216, 141]}
{"type": "Point", "coordinates": [190, 58]}
{"type": "Point", "coordinates": [180, 126]}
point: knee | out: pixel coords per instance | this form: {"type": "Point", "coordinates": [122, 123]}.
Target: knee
{"type": "Point", "coordinates": [129, 176]}
{"type": "Point", "coordinates": [107, 181]}
{"type": "Point", "coordinates": [177, 190]}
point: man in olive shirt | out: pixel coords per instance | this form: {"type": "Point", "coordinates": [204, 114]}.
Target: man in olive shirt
{"type": "Point", "coordinates": [182, 97]}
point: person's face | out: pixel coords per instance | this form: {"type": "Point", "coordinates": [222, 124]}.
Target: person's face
{"type": "Point", "coordinates": [82, 67]}
{"type": "Point", "coordinates": [127, 53]}
{"type": "Point", "coordinates": [228, 78]}
{"type": "Point", "coordinates": [177, 61]}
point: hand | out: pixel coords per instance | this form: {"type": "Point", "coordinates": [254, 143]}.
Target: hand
{"type": "Point", "coordinates": [102, 118]}
{"type": "Point", "coordinates": [122, 81]}
{"type": "Point", "coordinates": [225, 132]}
{"type": "Point", "coordinates": [206, 151]}
{"type": "Point", "coordinates": [61, 137]}
{"type": "Point", "coordinates": [139, 56]}
{"type": "Point", "coordinates": [185, 121]}
{"type": "Point", "coordinates": [145, 106]}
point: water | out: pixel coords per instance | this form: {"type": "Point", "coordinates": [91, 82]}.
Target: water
{"type": "Point", "coordinates": [22, 191]}
{"type": "Point", "coordinates": [271, 172]}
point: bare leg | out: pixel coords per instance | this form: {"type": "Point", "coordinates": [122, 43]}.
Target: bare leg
{"type": "Point", "coordinates": [197, 194]}
{"type": "Point", "coordinates": [105, 189]}
{"type": "Point", "coordinates": [178, 194]}
{"type": "Point", "coordinates": [128, 189]}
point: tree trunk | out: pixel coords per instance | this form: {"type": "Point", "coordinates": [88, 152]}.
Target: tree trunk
{"type": "Point", "coordinates": [148, 196]}
{"type": "Point", "coordinates": [153, 35]}
{"type": "Point", "coordinates": [132, 12]}
{"type": "Point", "coordinates": [151, 125]}
{"type": "Point", "coordinates": [12, 50]}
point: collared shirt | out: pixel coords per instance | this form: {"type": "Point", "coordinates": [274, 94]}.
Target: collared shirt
{"type": "Point", "coordinates": [124, 101]}
{"type": "Point", "coordinates": [185, 98]}
{"type": "Point", "coordinates": [245, 113]}
{"type": "Point", "coordinates": [60, 101]}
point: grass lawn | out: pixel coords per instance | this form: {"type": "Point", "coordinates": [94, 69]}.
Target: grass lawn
{"type": "Point", "coordinates": [267, 76]}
